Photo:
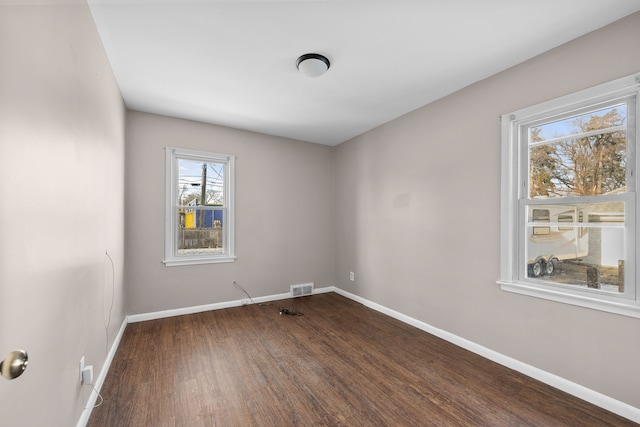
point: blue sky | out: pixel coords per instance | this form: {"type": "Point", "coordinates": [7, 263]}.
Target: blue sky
{"type": "Point", "coordinates": [565, 127]}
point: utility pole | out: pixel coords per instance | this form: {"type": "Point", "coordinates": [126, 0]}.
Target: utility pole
{"type": "Point", "coordinates": [203, 196]}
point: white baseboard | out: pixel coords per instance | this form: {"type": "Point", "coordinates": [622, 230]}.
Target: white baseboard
{"type": "Point", "coordinates": [610, 404]}
{"type": "Point", "coordinates": [86, 414]}
{"type": "Point", "coordinates": [215, 306]}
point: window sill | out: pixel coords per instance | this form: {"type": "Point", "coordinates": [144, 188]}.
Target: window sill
{"type": "Point", "coordinates": [195, 261]}
{"type": "Point", "coordinates": [620, 306]}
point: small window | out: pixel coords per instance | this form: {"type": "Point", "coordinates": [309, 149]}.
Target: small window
{"type": "Point", "coordinates": [569, 199]}
{"type": "Point", "coordinates": [582, 230]}
{"type": "Point", "coordinates": [540, 215]}
{"type": "Point", "coordinates": [564, 218]}
{"type": "Point", "coordinates": [199, 207]}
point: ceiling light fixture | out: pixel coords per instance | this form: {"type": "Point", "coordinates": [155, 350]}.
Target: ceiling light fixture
{"type": "Point", "coordinates": [313, 64]}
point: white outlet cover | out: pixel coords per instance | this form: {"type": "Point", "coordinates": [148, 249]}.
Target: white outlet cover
{"type": "Point", "coordinates": [81, 367]}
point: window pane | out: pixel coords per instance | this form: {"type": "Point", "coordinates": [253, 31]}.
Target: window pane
{"type": "Point", "coordinates": [583, 163]}
{"type": "Point", "coordinates": [200, 183]}
{"type": "Point", "coordinates": [586, 254]}
{"type": "Point", "coordinates": [200, 231]}
{"type": "Point", "coordinates": [600, 119]}
{"type": "Point", "coordinates": [540, 215]}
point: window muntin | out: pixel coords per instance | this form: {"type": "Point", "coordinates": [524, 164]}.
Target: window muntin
{"type": "Point", "coordinates": [199, 207]}
{"type": "Point", "coordinates": [569, 199]}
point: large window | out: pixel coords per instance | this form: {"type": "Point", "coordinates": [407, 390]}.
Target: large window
{"type": "Point", "coordinates": [199, 207]}
{"type": "Point", "coordinates": [569, 206]}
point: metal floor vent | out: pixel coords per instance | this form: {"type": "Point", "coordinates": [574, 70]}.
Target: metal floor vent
{"type": "Point", "coordinates": [301, 290]}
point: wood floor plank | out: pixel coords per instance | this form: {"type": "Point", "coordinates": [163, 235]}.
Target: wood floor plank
{"type": "Point", "coordinates": [341, 364]}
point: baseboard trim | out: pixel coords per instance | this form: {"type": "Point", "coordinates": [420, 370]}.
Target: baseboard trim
{"type": "Point", "coordinates": [86, 413]}
{"type": "Point", "coordinates": [134, 318]}
{"type": "Point", "coordinates": [610, 404]}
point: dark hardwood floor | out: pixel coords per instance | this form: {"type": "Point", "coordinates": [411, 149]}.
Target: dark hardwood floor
{"type": "Point", "coordinates": [341, 364]}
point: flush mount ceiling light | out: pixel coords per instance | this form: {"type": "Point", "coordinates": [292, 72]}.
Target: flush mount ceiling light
{"type": "Point", "coordinates": [313, 64]}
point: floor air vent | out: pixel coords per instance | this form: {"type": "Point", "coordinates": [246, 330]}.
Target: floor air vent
{"type": "Point", "coordinates": [301, 290]}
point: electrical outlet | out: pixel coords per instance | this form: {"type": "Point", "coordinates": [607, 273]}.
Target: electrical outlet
{"type": "Point", "coordinates": [87, 375]}
{"type": "Point", "coordinates": [81, 368]}
{"type": "Point", "coordinates": [352, 276]}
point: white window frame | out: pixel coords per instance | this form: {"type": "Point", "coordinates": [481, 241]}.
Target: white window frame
{"type": "Point", "coordinates": [514, 189]}
{"type": "Point", "coordinates": [171, 257]}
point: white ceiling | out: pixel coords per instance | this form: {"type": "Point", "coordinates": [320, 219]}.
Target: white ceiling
{"type": "Point", "coordinates": [233, 63]}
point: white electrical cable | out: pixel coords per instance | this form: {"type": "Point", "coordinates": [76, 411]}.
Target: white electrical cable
{"type": "Point", "coordinates": [243, 290]}
{"type": "Point", "coordinates": [247, 294]}
{"type": "Point", "coordinates": [99, 396]}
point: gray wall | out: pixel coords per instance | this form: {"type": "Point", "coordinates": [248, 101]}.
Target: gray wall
{"type": "Point", "coordinates": [417, 211]}
{"type": "Point", "coordinates": [284, 192]}
{"type": "Point", "coordinates": [62, 190]}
